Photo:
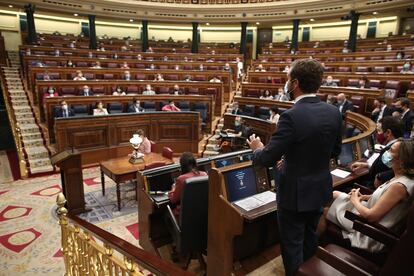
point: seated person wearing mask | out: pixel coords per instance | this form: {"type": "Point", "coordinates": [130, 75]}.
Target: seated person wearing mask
{"type": "Point", "coordinates": [188, 169]}
{"type": "Point", "coordinates": [170, 106]}
{"type": "Point", "coordinates": [51, 92]}
{"type": "Point", "coordinates": [363, 82]}
{"type": "Point", "coordinates": [402, 107]}
{"type": "Point", "coordinates": [135, 107]}
{"type": "Point", "coordinates": [119, 91]}
{"type": "Point", "coordinates": [343, 104]}
{"type": "Point", "coordinates": [388, 205]}
{"type": "Point", "coordinates": [215, 79]}
{"type": "Point", "coordinates": [329, 82]}
{"type": "Point", "coordinates": [267, 95]}
{"type": "Point", "coordinates": [127, 75]}
{"type": "Point", "coordinates": [100, 110]}
{"type": "Point", "coordinates": [148, 90]}
{"type": "Point", "coordinates": [64, 111]}
{"type": "Point", "coordinates": [391, 129]}
{"type": "Point", "coordinates": [145, 146]}
{"type": "Point", "coordinates": [227, 67]}
{"type": "Point", "coordinates": [240, 132]}
{"type": "Point", "coordinates": [274, 115]}
{"type": "Point", "coordinates": [381, 109]}
{"type": "Point", "coordinates": [86, 91]}
{"type": "Point", "coordinates": [260, 68]}
{"type": "Point", "coordinates": [177, 90]}
{"type": "Point", "coordinates": [281, 96]}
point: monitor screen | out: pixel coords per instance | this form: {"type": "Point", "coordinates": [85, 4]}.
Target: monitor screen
{"type": "Point", "coordinates": [162, 182]}
{"type": "Point", "coordinates": [240, 183]}
{"type": "Point", "coordinates": [246, 157]}
{"type": "Point", "coordinates": [347, 155]}
{"type": "Point", "coordinates": [225, 162]}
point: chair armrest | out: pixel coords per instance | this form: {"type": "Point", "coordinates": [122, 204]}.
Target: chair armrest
{"type": "Point", "coordinates": [339, 264]}
{"type": "Point", "coordinates": [373, 230]}
{"type": "Point", "coordinates": [172, 226]}
{"type": "Point", "coordinates": [364, 190]}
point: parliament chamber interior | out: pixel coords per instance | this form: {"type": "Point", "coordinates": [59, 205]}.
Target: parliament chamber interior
{"type": "Point", "coordinates": [206, 137]}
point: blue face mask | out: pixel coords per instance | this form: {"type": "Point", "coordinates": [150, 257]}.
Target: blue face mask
{"type": "Point", "coordinates": [386, 159]}
{"type": "Point", "coordinates": [237, 123]}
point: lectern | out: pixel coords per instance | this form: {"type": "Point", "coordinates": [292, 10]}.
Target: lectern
{"type": "Point", "coordinates": [69, 162]}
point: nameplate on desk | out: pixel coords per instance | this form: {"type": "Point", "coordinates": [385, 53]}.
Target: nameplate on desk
{"type": "Point", "coordinates": [340, 173]}
{"type": "Point", "coordinates": [256, 201]}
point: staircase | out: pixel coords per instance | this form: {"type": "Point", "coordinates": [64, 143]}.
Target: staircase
{"type": "Point", "coordinates": [38, 159]}
{"type": "Point", "coordinates": [212, 147]}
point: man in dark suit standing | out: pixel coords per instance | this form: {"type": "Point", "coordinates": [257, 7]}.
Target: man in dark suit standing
{"type": "Point", "coordinates": [64, 111]}
{"type": "Point", "coordinates": [407, 116]}
{"type": "Point", "coordinates": [343, 104]}
{"type": "Point", "coordinates": [307, 137]}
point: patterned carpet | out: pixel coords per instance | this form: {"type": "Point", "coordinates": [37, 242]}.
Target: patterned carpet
{"type": "Point", "coordinates": [29, 233]}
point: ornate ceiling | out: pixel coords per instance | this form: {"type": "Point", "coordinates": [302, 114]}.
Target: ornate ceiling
{"type": "Point", "coordinates": [218, 11]}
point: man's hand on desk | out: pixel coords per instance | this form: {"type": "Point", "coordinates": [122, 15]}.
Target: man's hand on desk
{"type": "Point", "coordinates": [359, 165]}
{"type": "Point", "coordinates": [254, 142]}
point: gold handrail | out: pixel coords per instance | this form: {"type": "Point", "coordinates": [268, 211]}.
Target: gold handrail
{"type": "Point", "coordinates": [14, 127]}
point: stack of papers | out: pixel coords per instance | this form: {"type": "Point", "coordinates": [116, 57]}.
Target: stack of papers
{"type": "Point", "coordinates": [255, 201]}
{"type": "Point", "coordinates": [340, 173]}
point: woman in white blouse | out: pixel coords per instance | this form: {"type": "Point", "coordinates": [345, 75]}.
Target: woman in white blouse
{"type": "Point", "coordinates": [274, 115]}
{"type": "Point", "coordinates": [100, 110]}
{"type": "Point", "coordinates": [389, 203]}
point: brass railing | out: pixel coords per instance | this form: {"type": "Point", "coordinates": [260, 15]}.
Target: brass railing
{"type": "Point", "coordinates": [105, 253]}
{"type": "Point", "coordinates": [14, 127]}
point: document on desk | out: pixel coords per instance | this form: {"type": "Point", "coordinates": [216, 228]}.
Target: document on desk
{"type": "Point", "coordinates": [256, 201]}
{"type": "Point", "coordinates": [340, 173]}
{"type": "Point", "coordinates": [372, 159]}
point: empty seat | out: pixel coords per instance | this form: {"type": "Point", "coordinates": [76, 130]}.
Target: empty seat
{"type": "Point", "coordinates": [51, 63]}
{"type": "Point", "coordinates": [262, 79]}
{"type": "Point", "coordinates": [68, 90]}
{"type": "Point", "coordinates": [115, 108]}
{"type": "Point", "coordinates": [132, 89]}
{"type": "Point", "coordinates": [80, 109]}
{"type": "Point", "coordinates": [212, 68]}
{"type": "Point", "coordinates": [362, 69]}
{"type": "Point", "coordinates": [98, 89]}
{"type": "Point", "coordinates": [163, 67]}
{"type": "Point", "coordinates": [360, 58]}
{"type": "Point", "coordinates": [188, 67]}
{"type": "Point", "coordinates": [264, 113]}
{"type": "Point", "coordinates": [193, 90]}
{"type": "Point", "coordinates": [108, 76]}
{"type": "Point", "coordinates": [249, 110]}
{"type": "Point", "coordinates": [112, 65]}
{"type": "Point", "coordinates": [380, 69]}
{"type": "Point", "coordinates": [163, 90]}
{"type": "Point", "coordinates": [392, 89]}
{"type": "Point", "coordinates": [81, 64]}
{"type": "Point", "coordinates": [200, 78]}
{"type": "Point", "coordinates": [140, 66]}
{"type": "Point", "coordinates": [167, 153]}
{"type": "Point", "coordinates": [375, 84]}
{"type": "Point", "coordinates": [149, 106]}
{"type": "Point", "coordinates": [376, 58]}
{"type": "Point", "coordinates": [184, 106]}
{"type": "Point", "coordinates": [202, 109]}
{"type": "Point", "coordinates": [140, 77]}
{"type": "Point", "coordinates": [89, 76]}
{"type": "Point", "coordinates": [358, 102]}
{"type": "Point", "coordinates": [353, 82]}
{"type": "Point", "coordinates": [171, 77]}
{"type": "Point", "coordinates": [255, 93]}
{"type": "Point", "coordinates": [274, 69]}
{"type": "Point", "coordinates": [344, 69]}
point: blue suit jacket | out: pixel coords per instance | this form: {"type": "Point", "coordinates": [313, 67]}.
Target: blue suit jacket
{"type": "Point", "coordinates": [308, 135]}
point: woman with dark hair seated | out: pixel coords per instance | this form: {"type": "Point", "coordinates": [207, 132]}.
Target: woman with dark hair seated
{"type": "Point", "coordinates": [189, 169]}
{"type": "Point", "coordinates": [389, 203]}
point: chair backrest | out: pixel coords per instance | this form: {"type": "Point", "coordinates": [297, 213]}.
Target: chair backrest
{"type": "Point", "coordinates": [362, 69]}
{"type": "Point", "coordinates": [375, 84]}
{"type": "Point", "coordinates": [167, 153]}
{"type": "Point", "coordinates": [344, 69]}
{"type": "Point", "coordinates": [108, 76]}
{"type": "Point", "coordinates": [184, 106]}
{"type": "Point", "coordinates": [249, 110]}
{"type": "Point", "coordinates": [68, 90]}
{"type": "Point", "coordinates": [114, 108]}
{"type": "Point", "coordinates": [399, 260]}
{"type": "Point", "coordinates": [154, 165]}
{"type": "Point", "coordinates": [153, 145]}
{"type": "Point", "coordinates": [353, 82]}
{"type": "Point", "coordinates": [255, 93]}
{"type": "Point", "coordinates": [98, 89]}
{"type": "Point", "coordinates": [164, 90]}
{"type": "Point", "coordinates": [80, 109]}
{"type": "Point", "coordinates": [194, 215]}
{"type": "Point", "coordinates": [264, 113]}
{"type": "Point", "coordinates": [149, 106]}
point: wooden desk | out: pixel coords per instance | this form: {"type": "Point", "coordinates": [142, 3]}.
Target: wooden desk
{"type": "Point", "coordinates": [120, 170]}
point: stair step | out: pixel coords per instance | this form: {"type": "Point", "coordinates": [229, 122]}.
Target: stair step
{"type": "Point", "coordinates": [30, 136]}
{"type": "Point", "coordinates": [208, 153]}
{"type": "Point", "coordinates": [43, 169]}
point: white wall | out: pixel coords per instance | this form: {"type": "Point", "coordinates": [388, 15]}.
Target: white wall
{"type": "Point", "coordinates": [221, 35]}
{"type": "Point", "coordinates": [10, 30]}
{"type": "Point", "coordinates": [163, 33]}
{"type": "Point", "coordinates": [118, 30]}
{"type": "Point", "coordinates": [49, 24]}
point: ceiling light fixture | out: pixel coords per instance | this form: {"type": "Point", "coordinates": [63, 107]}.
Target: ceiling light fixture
{"type": "Point", "coordinates": [131, 20]}
{"type": "Point", "coordinates": [257, 23]}
{"type": "Point", "coordinates": [312, 19]}
{"type": "Point", "coordinates": [10, 6]}
{"type": "Point", "coordinates": [374, 13]}
{"type": "Point", "coordinates": [208, 24]}
{"type": "Point", "coordinates": [75, 14]}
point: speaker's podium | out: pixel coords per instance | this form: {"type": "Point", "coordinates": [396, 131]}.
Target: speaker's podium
{"type": "Point", "coordinates": [70, 164]}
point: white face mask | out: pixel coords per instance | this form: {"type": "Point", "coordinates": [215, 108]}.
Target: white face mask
{"type": "Point", "coordinates": [65, 107]}
{"type": "Point", "coordinates": [86, 90]}
{"type": "Point", "coordinates": [51, 91]}
{"type": "Point", "coordinates": [148, 88]}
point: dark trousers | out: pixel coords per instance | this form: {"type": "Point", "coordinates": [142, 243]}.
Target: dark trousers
{"type": "Point", "coordinates": [298, 237]}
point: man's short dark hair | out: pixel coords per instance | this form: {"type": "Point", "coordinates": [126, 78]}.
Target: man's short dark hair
{"type": "Point", "coordinates": [394, 124]}
{"type": "Point", "coordinates": [405, 102]}
{"type": "Point", "coordinates": [309, 74]}
{"type": "Point", "coordinates": [381, 100]}
{"type": "Point", "coordinates": [275, 109]}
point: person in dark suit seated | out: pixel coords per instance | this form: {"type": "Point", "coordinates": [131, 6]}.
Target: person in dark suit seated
{"type": "Point", "coordinates": [227, 67]}
{"type": "Point", "coordinates": [170, 106]}
{"type": "Point", "coordinates": [177, 90]}
{"type": "Point", "coordinates": [238, 134]}
{"type": "Point", "coordinates": [343, 104]}
{"type": "Point", "coordinates": [127, 75]}
{"type": "Point", "coordinates": [307, 137]}
{"type": "Point", "coordinates": [135, 107]}
{"type": "Point", "coordinates": [329, 82]}
{"type": "Point", "coordinates": [392, 129]}
{"type": "Point", "coordinates": [381, 109]}
{"type": "Point", "coordinates": [402, 106]}
{"type": "Point", "coordinates": [236, 110]}
{"type": "Point", "coordinates": [64, 111]}
{"type": "Point", "coordinates": [86, 91]}
{"type": "Point", "coordinates": [188, 169]}
{"type": "Point", "coordinates": [51, 92]}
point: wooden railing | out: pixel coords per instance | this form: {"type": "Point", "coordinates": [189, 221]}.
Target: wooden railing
{"type": "Point", "coordinates": [90, 250]}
